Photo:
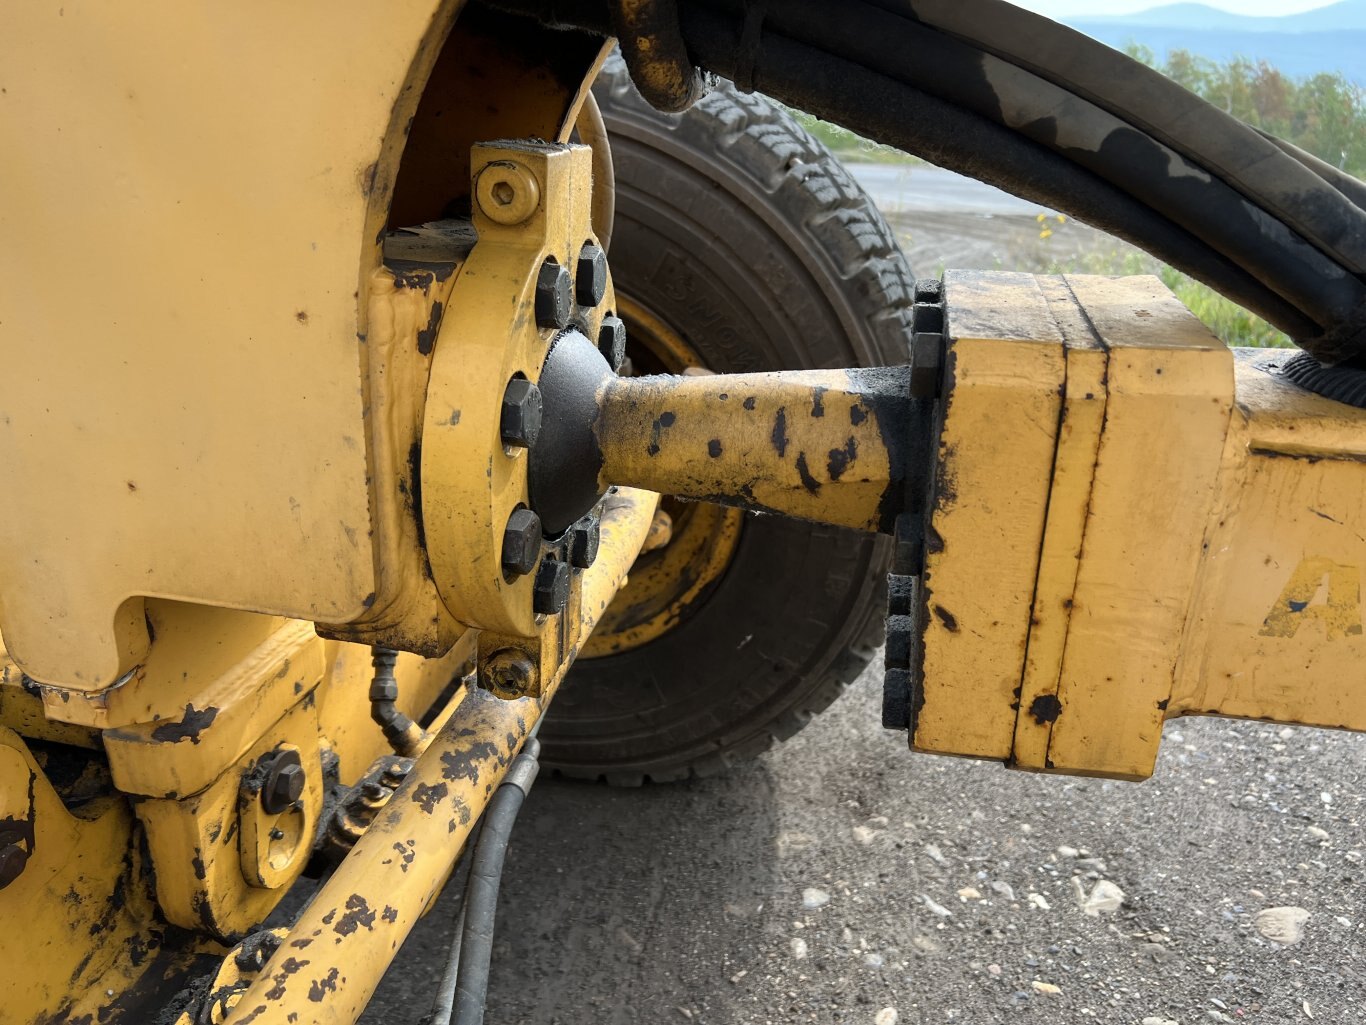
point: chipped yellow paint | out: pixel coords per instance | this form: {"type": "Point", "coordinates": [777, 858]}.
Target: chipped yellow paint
{"type": "Point", "coordinates": [80, 919]}
{"type": "Point", "coordinates": [1319, 591]}
{"type": "Point", "coordinates": [352, 930]}
{"type": "Point", "coordinates": [1288, 528]}
{"type": "Point", "coordinates": [205, 392]}
{"type": "Point", "coordinates": [819, 445]}
{"type": "Point", "coordinates": [1074, 466]}
{"type": "Point", "coordinates": [471, 481]}
{"type": "Point", "coordinates": [1170, 390]}
{"type": "Point", "coordinates": [1006, 370]}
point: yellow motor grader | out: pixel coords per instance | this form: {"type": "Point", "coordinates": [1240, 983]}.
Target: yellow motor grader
{"type": "Point", "coordinates": [348, 350]}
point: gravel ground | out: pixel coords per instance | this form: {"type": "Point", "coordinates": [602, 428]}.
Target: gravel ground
{"type": "Point", "coordinates": [842, 879]}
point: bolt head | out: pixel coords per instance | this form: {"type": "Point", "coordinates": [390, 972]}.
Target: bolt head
{"type": "Point", "coordinates": [521, 542]}
{"type": "Point", "coordinates": [584, 538]}
{"type": "Point", "coordinates": [927, 362]}
{"type": "Point", "coordinates": [551, 592]}
{"type": "Point", "coordinates": [554, 296]}
{"type": "Point", "coordinates": [284, 783]}
{"type": "Point", "coordinates": [509, 673]}
{"type": "Point", "coordinates": [590, 276]}
{"type": "Point", "coordinates": [520, 421]}
{"type": "Point", "coordinates": [612, 341]}
{"type": "Point", "coordinates": [507, 192]}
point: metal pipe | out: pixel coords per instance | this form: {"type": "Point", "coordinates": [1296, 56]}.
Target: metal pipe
{"type": "Point", "coordinates": [328, 967]}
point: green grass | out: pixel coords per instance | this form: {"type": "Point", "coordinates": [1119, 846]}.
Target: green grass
{"type": "Point", "coordinates": [848, 146]}
{"type": "Point", "coordinates": [1229, 322]}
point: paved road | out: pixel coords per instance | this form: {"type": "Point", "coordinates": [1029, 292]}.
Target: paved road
{"type": "Point", "coordinates": [948, 890]}
{"type": "Point", "coordinates": [899, 188]}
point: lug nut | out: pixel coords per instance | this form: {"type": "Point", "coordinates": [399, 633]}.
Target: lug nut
{"type": "Point", "coordinates": [551, 591]}
{"type": "Point", "coordinates": [554, 296]}
{"type": "Point", "coordinates": [584, 538]}
{"type": "Point", "coordinates": [521, 543]}
{"type": "Point", "coordinates": [520, 421]}
{"type": "Point", "coordinates": [509, 673]}
{"type": "Point", "coordinates": [284, 783]}
{"type": "Point", "coordinates": [612, 341]}
{"type": "Point", "coordinates": [590, 277]}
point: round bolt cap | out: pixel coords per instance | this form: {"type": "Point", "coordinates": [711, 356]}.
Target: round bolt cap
{"type": "Point", "coordinates": [590, 276]}
{"type": "Point", "coordinates": [521, 542]}
{"type": "Point", "coordinates": [612, 341]}
{"type": "Point", "coordinates": [554, 296]}
{"type": "Point", "coordinates": [520, 421]}
{"type": "Point", "coordinates": [584, 538]}
{"type": "Point", "coordinates": [551, 592]}
{"type": "Point", "coordinates": [509, 673]}
{"type": "Point", "coordinates": [284, 783]}
{"type": "Point", "coordinates": [507, 192]}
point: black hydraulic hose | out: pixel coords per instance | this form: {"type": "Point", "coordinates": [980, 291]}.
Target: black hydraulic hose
{"type": "Point", "coordinates": [472, 950]}
{"type": "Point", "coordinates": [1353, 188]}
{"type": "Point", "coordinates": [1146, 99]}
{"type": "Point", "coordinates": [444, 1005]}
{"type": "Point", "coordinates": [898, 115]}
{"type": "Point", "coordinates": [1155, 175]}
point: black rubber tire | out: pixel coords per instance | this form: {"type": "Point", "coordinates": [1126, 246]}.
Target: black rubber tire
{"type": "Point", "coordinates": [746, 236]}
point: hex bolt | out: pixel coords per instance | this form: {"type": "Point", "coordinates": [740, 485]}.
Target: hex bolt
{"type": "Point", "coordinates": [521, 543]}
{"type": "Point", "coordinates": [550, 594]}
{"type": "Point", "coordinates": [509, 673]}
{"type": "Point", "coordinates": [927, 363]}
{"type": "Point", "coordinates": [13, 858]}
{"type": "Point", "coordinates": [554, 296]}
{"type": "Point", "coordinates": [520, 420]}
{"type": "Point", "coordinates": [612, 341]}
{"type": "Point", "coordinates": [590, 276]}
{"type": "Point", "coordinates": [284, 783]}
{"type": "Point", "coordinates": [584, 538]}
{"type": "Point", "coordinates": [507, 192]}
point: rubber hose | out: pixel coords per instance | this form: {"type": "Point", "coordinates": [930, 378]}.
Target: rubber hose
{"type": "Point", "coordinates": [1145, 98]}
{"type": "Point", "coordinates": [898, 115]}
{"type": "Point", "coordinates": [1160, 178]}
{"type": "Point", "coordinates": [481, 893]}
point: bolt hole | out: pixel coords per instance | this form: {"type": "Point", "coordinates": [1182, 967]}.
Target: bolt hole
{"type": "Point", "coordinates": [503, 193]}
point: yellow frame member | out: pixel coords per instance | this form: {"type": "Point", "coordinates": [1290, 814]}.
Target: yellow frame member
{"type": "Point", "coordinates": [1130, 523]}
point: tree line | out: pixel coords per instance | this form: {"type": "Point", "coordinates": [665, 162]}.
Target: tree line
{"type": "Point", "coordinates": [1324, 113]}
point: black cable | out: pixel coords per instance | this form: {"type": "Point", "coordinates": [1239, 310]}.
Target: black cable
{"type": "Point", "coordinates": [473, 951]}
{"type": "Point", "coordinates": [444, 1005]}
{"type": "Point", "coordinates": [898, 115]}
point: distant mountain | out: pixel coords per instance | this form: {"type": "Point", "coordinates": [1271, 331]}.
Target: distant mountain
{"type": "Point", "coordinates": [1331, 38]}
{"type": "Point", "coordinates": [1346, 15]}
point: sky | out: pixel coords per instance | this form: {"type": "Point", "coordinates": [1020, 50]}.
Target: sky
{"type": "Point", "coordinates": [1066, 8]}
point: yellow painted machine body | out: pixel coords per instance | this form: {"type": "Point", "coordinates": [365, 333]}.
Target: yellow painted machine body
{"type": "Point", "coordinates": [251, 424]}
